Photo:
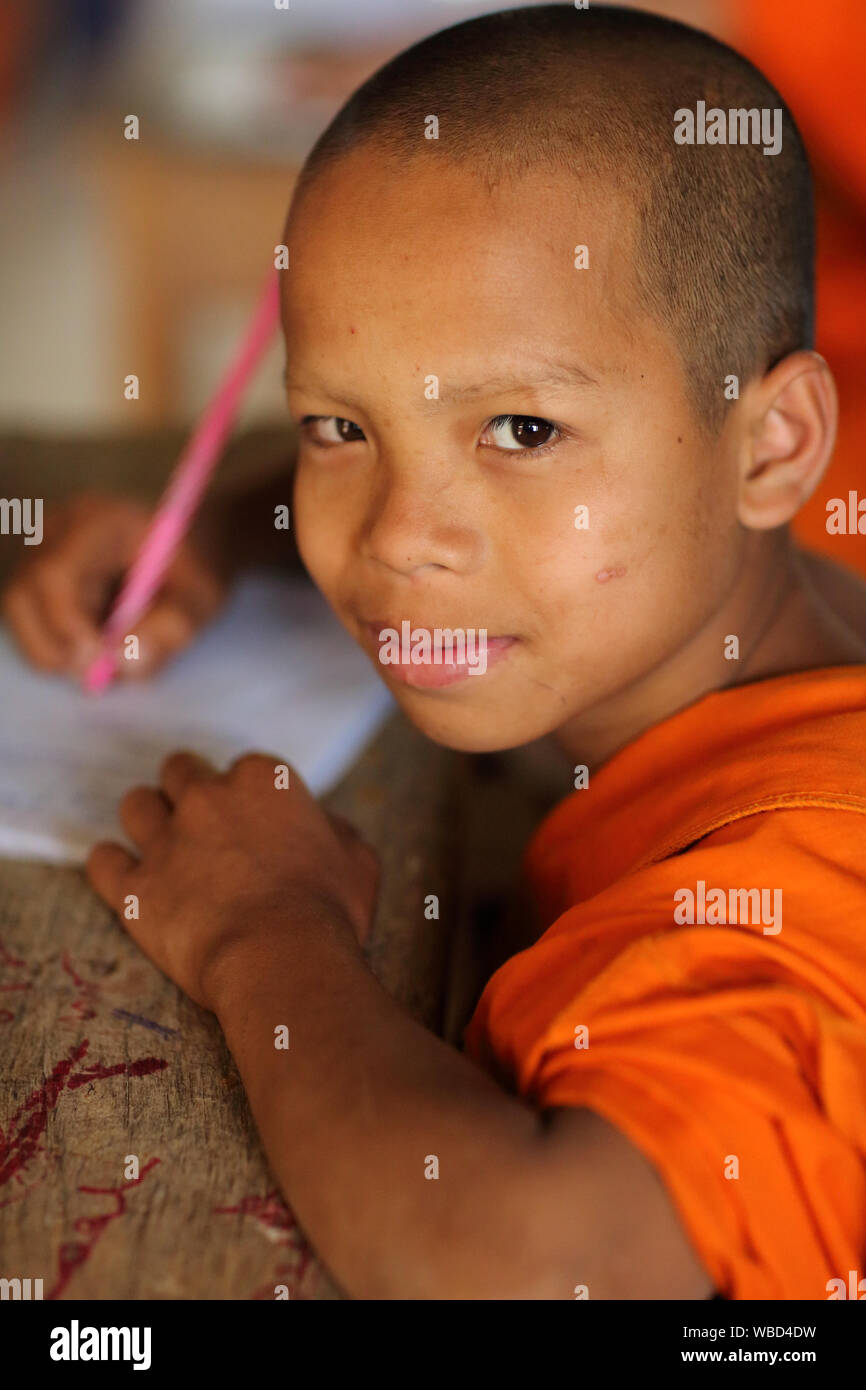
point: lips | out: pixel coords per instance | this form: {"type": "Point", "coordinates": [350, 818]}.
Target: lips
{"type": "Point", "coordinates": [436, 673]}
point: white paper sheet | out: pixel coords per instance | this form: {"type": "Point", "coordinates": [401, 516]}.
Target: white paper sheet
{"type": "Point", "coordinates": [276, 673]}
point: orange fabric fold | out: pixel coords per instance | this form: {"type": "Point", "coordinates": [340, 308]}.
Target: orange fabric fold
{"type": "Point", "coordinates": [730, 1050]}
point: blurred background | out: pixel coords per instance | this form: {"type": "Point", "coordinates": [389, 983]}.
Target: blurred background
{"type": "Point", "coordinates": [145, 256]}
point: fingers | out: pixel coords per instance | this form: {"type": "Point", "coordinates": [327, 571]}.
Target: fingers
{"type": "Point", "coordinates": [352, 840]}
{"type": "Point", "coordinates": [163, 632]}
{"type": "Point", "coordinates": [56, 600]}
{"type": "Point", "coordinates": [56, 603]}
{"type": "Point", "coordinates": [260, 769]}
{"type": "Point", "coordinates": [22, 611]}
{"type": "Point", "coordinates": [190, 596]}
{"type": "Point", "coordinates": [346, 832]}
{"type": "Point", "coordinates": [47, 620]}
{"type": "Point", "coordinates": [144, 814]}
{"type": "Point", "coordinates": [180, 771]}
{"type": "Point", "coordinates": [108, 868]}
{"type": "Point", "coordinates": [70, 625]}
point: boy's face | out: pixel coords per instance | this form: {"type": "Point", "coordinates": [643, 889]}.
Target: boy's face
{"type": "Point", "coordinates": [434, 512]}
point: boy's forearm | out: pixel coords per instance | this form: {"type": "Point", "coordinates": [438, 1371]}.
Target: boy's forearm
{"type": "Point", "coordinates": [354, 1114]}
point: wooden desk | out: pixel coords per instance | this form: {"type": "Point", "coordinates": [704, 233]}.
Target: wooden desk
{"type": "Point", "coordinates": [102, 1057]}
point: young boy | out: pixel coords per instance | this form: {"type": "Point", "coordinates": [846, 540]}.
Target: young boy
{"type": "Point", "coordinates": [590, 456]}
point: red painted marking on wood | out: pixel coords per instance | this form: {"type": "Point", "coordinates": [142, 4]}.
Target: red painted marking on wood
{"type": "Point", "coordinates": [96, 1072]}
{"type": "Point", "coordinates": [21, 1144]}
{"type": "Point", "coordinates": [19, 1148]}
{"type": "Point", "coordinates": [87, 991]}
{"type": "Point", "coordinates": [272, 1215]}
{"type": "Point", "coordinates": [21, 1196]}
{"type": "Point", "coordinates": [74, 1253]}
{"type": "Point", "coordinates": [269, 1211]}
{"type": "Point", "coordinates": [7, 957]}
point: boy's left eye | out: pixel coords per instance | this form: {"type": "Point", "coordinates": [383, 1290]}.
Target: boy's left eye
{"type": "Point", "coordinates": [521, 434]}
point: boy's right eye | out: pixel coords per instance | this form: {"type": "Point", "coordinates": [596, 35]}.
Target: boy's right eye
{"type": "Point", "coordinates": [331, 429]}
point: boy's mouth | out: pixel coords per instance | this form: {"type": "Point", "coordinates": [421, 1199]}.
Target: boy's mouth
{"type": "Point", "coordinates": [430, 658]}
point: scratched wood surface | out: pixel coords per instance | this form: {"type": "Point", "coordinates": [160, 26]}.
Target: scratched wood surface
{"type": "Point", "coordinates": [102, 1057]}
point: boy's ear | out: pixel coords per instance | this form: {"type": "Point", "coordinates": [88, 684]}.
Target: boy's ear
{"type": "Point", "coordinates": [789, 435]}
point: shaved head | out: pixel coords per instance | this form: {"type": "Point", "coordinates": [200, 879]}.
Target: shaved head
{"type": "Point", "coordinates": [721, 240]}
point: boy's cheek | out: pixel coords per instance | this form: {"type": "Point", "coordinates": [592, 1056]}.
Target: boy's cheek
{"type": "Point", "coordinates": [322, 540]}
{"type": "Point", "coordinates": [610, 614]}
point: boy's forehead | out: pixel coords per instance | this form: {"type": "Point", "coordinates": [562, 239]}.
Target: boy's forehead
{"type": "Point", "coordinates": [542, 260]}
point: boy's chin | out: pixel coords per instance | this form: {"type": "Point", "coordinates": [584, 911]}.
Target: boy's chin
{"type": "Point", "coordinates": [470, 731]}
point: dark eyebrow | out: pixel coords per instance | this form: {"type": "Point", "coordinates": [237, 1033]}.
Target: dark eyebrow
{"type": "Point", "coordinates": [555, 373]}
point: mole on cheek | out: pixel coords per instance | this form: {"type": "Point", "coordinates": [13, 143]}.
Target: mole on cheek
{"type": "Point", "coordinates": [604, 575]}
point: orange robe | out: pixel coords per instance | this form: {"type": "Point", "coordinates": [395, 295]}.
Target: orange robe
{"type": "Point", "coordinates": [733, 1056]}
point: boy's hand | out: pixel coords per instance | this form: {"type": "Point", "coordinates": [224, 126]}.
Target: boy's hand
{"type": "Point", "coordinates": [55, 603]}
{"type": "Point", "coordinates": [230, 857]}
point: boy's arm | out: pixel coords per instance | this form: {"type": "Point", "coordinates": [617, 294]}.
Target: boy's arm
{"type": "Point", "coordinates": [255, 901]}
{"type": "Point", "coordinates": [354, 1113]}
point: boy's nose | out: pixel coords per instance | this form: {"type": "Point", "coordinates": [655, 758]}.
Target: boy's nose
{"type": "Point", "coordinates": [410, 527]}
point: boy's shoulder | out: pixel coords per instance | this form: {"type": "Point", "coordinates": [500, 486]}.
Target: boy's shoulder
{"type": "Point", "coordinates": [790, 742]}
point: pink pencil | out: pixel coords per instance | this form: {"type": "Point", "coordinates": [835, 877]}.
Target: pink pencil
{"type": "Point", "coordinates": [184, 490]}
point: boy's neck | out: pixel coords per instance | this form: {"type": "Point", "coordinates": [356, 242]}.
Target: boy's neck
{"type": "Point", "coordinates": [804, 621]}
